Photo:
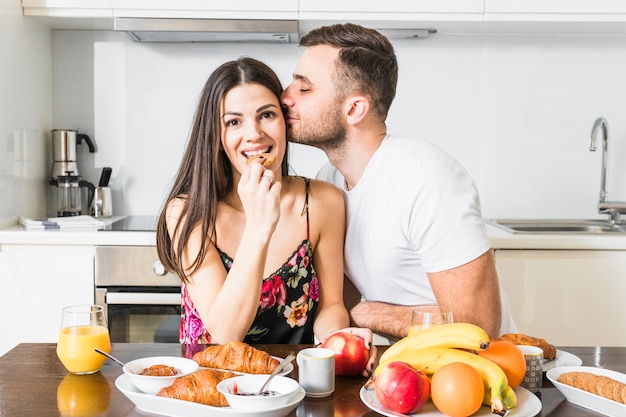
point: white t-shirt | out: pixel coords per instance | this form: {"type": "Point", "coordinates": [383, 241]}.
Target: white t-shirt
{"type": "Point", "coordinates": [414, 210]}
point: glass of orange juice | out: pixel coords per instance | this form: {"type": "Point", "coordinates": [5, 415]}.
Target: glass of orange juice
{"type": "Point", "coordinates": [83, 328]}
{"type": "Point", "coordinates": [426, 315]}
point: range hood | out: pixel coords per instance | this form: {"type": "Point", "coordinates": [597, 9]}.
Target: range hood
{"type": "Point", "coordinates": [207, 30]}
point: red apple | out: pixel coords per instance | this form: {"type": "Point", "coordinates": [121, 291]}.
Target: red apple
{"type": "Point", "coordinates": [400, 387]}
{"type": "Point", "coordinates": [351, 355]}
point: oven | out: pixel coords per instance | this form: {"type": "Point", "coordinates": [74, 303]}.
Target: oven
{"type": "Point", "coordinates": [141, 299]}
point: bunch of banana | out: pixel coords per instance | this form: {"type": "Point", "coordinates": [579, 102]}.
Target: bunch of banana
{"type": "Point", "coordinates": [437, 346]}
{"type": "Point", "coordinates": [454, 335]}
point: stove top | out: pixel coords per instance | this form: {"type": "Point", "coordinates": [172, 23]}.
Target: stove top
{"type": "Point", "coordinates": [133, 223]}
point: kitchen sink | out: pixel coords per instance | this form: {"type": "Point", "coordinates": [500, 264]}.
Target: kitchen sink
{"type": "Point", "coordinates": [549, 226]}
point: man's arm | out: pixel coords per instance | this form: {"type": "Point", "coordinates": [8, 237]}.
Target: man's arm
{"type": "Point", "coordinates": [388, 320]}
{"type": "Point", "coordinates": [472, 292]}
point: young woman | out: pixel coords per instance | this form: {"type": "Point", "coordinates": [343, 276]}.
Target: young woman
{"type": "Point", "coordinates": [259, 252]}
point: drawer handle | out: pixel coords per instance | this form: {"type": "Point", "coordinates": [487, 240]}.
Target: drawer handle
{"type": "Point", "coordinates": [158, 268]}
{"type": "Point", "coordinates": [113, 298]}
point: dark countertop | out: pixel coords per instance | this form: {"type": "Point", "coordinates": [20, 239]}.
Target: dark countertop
{"type": "Point", "coordinates": [31, 374]}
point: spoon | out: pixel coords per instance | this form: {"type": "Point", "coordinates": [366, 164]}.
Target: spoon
{"type": "Point", "coordinates": [275, 372]}
{"type": "Point", "coordinates": [113, 358]}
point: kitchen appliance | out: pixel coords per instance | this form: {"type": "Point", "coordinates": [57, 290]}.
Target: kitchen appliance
{"type": "Point", "coordinates": [64, 174]}
{"type": "Point", "coordinates": [69, 196]}
{"type": "Point", "coordinates": [141, 299]}
{"type": "Point", "coordinates": [172, 29]}
{"type": "Point", "coordinates": [64, 142]}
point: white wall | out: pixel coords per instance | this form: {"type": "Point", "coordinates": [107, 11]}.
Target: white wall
{"type": "Point", "coordinates": [516, 110]}
{"type": "Point", "coordinates": [25, 113]}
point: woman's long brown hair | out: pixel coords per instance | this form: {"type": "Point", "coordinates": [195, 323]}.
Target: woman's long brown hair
{"type": "Point", "coordinates": [205, 173]}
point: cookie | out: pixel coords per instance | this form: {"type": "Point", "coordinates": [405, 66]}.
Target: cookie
{"type": "Point", "coordinates": [596, 384]}
{"type": "Point", "coordinates": [266, 159]}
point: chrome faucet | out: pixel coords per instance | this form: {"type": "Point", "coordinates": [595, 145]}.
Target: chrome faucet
{"type": "Point", "coordinates": [601, 123]}
{"type": "Point", "coordinates": [613, 208]}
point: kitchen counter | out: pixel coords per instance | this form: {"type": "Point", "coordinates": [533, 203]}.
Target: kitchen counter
{"type": "Point", "coordinates": [18, 235]}
{"type": "Point", "coordinates": [31, 377]}
{"type": "Point", "coordinates": [500, 239]}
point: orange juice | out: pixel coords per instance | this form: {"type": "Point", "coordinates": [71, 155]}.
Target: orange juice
{"type": "Point", "coordinates": [76, 348]}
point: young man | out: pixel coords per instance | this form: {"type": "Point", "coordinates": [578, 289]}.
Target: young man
{"type": "Point", "coordinates": [414, 231]}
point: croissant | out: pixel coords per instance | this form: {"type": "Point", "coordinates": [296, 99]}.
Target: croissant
{"type": "Point", "coordinates": [198, 387]}
{"type": "Point", "coordinates": [549, 351]}
{"type": "Point", "coordinates": [238, 357]}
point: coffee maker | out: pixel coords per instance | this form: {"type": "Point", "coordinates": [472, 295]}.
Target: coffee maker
{"type": "Point", "coordinates": [65, 175]}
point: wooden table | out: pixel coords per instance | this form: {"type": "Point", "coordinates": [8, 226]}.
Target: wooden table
{"type": "Point", "coordinates": [31, 375]}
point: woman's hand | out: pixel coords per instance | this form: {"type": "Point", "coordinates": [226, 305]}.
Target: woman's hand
{"type": "Point", "coordinates": [368, 339]}
{"type": "Point", "coordinates": [260, 197]}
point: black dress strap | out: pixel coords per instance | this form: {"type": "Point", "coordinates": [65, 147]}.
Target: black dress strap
{"type": "Point", "coordinates": [306, 205]}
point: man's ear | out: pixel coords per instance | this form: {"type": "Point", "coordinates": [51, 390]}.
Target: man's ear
{"type": "Point", "coordinates": [357, 108]}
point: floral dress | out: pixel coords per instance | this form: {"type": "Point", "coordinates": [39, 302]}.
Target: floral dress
{"type": "Point", "coordinates": [287, 302]}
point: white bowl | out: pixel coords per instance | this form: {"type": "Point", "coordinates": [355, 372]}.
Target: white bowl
{"type": "Point", "coordinates": [152, 384]}
{"type": "Point", "coordinates": [282, 389]}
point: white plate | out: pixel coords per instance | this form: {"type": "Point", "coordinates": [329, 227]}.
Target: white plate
{"type": "Point", "coordinates": [528, 405]}
{"type": "Point", "coordinates": [586, 399]}
{"type": "Point", "coordinates": [178, 408]}
{"type": "Point", "coordinates": [562, 359]}
{"type": "Point", "coordinates": [286, 370]}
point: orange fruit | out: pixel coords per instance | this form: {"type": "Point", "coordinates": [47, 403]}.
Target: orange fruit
{"type": "Point", "coordinates": [509, 358]}
{"type": "Point", "coordinates": [457, 389]}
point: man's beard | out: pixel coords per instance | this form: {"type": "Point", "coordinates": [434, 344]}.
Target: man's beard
{"type": "Point", "coordinates": [327, 132]}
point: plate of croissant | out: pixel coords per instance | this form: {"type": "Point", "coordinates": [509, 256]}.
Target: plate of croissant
{"type": "Point", "coordinates": [196, 394]}
{"type": "Point", "coordinates": [195, 391]}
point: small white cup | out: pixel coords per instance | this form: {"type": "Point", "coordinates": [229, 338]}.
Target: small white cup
{"type": "Point", "coordinates": [316, 371]}
{"type": "Point", "coordinates": [534, 367]}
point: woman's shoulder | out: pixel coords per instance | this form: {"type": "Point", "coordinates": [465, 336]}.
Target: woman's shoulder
{"type": "Point", "coordinates": [324, 197]}
{"type": "Point", "coordinates": [318, 192]}
{"type": "Point", "coordinates": [175, 206]}
{"type": "Point", "coordinates": [174, 212]}
{"type": "Point", "coordinates": [323, 189]}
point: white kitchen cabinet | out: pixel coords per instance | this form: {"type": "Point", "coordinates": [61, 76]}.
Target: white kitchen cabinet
{"type": "Point", "coordinates": [202, 9]}
{"type": "Point", "coordinates": [443, 15]}
{"type": "Point", "coordinates": [555, 16]}
{"type": "Point", "coordinates": [330, 7]}
{"type": "Point", "coordinates": [555, 6]}
{"type": "Point", "coordinates": [68, 8]}
{"type": "Point", "coordinates": [36, 282]}
{"type": "Point", "coordinates": [71, 14]}
{"type": "Point", "coordinates": [472, 16]}
{"type": "Point", "coordinates": [568, 297]}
